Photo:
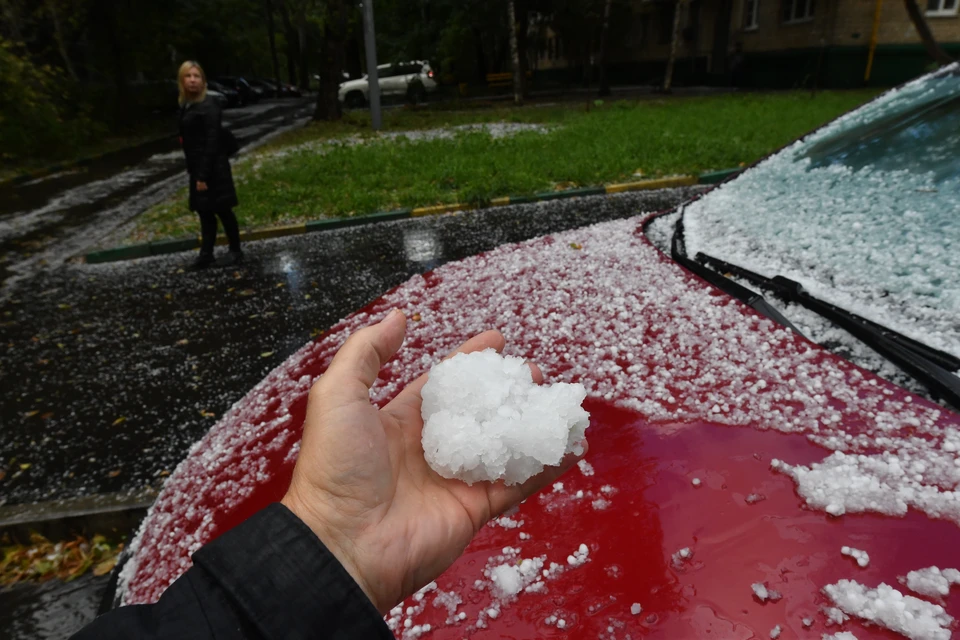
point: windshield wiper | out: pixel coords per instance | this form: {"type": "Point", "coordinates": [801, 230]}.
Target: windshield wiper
{"type": "Point", "coordinates": [931, 367]}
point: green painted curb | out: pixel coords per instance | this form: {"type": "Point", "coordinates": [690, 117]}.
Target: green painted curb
{"type": "Point", "coordinates": [713, 177]}
{"type": "Point", "coordinates": [120, 253]}
{"type": "Point", "coordinates": [162, 247]}
{"type": "Point", "coordinates": [188, 244]}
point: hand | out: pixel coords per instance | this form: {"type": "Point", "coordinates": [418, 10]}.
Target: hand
{"type": "Point", "coordinates": [361, 482]}
{"type": "Point", "coordinates": [201, 186]}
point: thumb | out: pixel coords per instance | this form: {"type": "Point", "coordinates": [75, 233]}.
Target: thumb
{"type": "Point", "coordinates": [357, 364]}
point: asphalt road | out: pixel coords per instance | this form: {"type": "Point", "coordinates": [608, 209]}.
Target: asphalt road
{"type": "Point", "coordinates": [111, 372]}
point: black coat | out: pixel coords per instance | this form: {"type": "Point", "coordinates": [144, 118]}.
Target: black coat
{"type": "Point", "coordinates": [270, 578]}
{"type": "Point", "coordinates": [200, 137]}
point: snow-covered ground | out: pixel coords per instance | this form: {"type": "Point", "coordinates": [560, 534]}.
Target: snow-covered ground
{"type": "Point", "coordinates": [864, 213]}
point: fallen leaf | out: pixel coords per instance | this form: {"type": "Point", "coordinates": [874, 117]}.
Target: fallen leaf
{"type": "Point", "coordinates": [246, 292]}
{"type": "Point", "coordinates": [105, 567]}
{"type": "Point", "coordinates": [164, 473]}
{"type": "Point", "coordinates": [47, 415]}
{"type": "Point", "coordinates": [207, 414]}
{"type": "Point", "coordinates": [3, 474]}
{"type": "Point", "coordinates": [306, 296]}
{"type": "Point", "coordinates": [315, 333]}
{"type": "Point", "coordinates": [30, 414]}
{"type": "Point", "coordinates": [266, 354]}
{"type": "Point", "coordinates": [114, 473]}
{"type": "Point", "coordinates": [574, 245]}
{"type": "Point", "coordinates": [63, 305]}
{"type": "Point", "coordinates": [25, 465]}
{"type": "Point", "coordinates": [169, 296]}
{"type": "Point", "coordinates": [280, 284]}
{"type": "Point", "coordinates": [119, 420]}
{"type": "Point", "coordinates": [415, 317]}
{"type": "Point", "coordinates": [183, 342]}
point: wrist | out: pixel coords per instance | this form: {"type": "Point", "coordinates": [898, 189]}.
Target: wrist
{"type": "Point", "coordinates": [335, 543]}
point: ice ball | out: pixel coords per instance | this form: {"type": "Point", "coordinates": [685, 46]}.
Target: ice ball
{"type": "Point", "coordinates": [484, 419]}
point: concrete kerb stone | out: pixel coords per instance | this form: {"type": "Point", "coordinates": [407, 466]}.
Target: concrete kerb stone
{"type": "Point", "coordinates": [187, 244]}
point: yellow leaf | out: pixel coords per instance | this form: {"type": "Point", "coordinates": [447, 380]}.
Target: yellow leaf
{"type": "Point", "coordinates": [119, 420]}
{"type": "Point", "coordinates": [183, 342]}
{"type": "Point", "coordinates": [63, 305]}
{"type": "Point", "coordinates": [266, 354]}
{"type": "Point", "coordinates": [24, 466]}
{"type": "Point", "coordinates": [30, 414]}
{"type": "Point", "coordinates": [105, 567]}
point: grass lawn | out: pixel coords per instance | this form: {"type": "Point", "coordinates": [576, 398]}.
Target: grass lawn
{"type": "Point", "coordinates": [304, 175]}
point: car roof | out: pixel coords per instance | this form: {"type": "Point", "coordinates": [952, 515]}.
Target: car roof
{"type": "Point", "coordinates": [685, 384]}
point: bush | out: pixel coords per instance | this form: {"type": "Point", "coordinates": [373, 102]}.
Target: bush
{"type": "Point", "coordinates": [38, 119]}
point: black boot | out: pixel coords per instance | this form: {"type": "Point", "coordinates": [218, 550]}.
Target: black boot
{"type": "Point", "coordinates": [231, 258]}
{"type": "Point", "coordinates": [203, 261]}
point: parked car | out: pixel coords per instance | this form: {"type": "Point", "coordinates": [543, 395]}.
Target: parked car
{"type": "Point", "coordinates": [412, 81]}
{"type": "Point", "coordinates": [742, 481]}
{"type": "Point", "coordinates": [232, 96]}
{"type": "Point", "coordinates": [274, 90]}
{"type": "Point", "coordinates": [248, 93]}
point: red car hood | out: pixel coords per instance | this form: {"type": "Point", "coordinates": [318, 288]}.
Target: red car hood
{"type": "Point", "coordinates": [684, 383]}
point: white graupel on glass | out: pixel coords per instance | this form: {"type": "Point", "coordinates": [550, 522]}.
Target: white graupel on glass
{"type": "Point", "coordinates": [485, 419]}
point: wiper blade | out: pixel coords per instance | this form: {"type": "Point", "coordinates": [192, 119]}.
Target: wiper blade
{"type": "Point", "coordinates": [932, 367]}
{"type": "Point", "coordinates": [745, 295]}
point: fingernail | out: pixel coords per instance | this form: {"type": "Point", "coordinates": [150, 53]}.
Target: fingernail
{"type": "Point", "coordinates": [393, 314]}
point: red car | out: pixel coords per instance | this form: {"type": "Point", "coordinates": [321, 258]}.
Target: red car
{"type": "Point", "coordinates": [742, 481]}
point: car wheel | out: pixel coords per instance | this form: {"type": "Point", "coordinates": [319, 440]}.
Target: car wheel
{"type": "Point", "coordinates": [355, 100]}
{"type": "Point", "coordinates": [416, 93]}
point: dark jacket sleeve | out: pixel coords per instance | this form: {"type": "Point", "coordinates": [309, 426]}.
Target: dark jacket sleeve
{"type": "Point", "coordinates": [211, 145]}
{"type": "Point", "coordinates": [269, 578]}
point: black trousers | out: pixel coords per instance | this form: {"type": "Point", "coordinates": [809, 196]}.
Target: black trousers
{"type": "Point", "coordinates": [208, 230]}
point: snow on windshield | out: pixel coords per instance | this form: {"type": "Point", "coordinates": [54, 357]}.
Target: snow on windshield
{"type": "Point", "coordinates": [864, 213]}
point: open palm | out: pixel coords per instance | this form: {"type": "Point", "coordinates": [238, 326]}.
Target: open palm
{"type": "Point", "coordinates": [361, 482]}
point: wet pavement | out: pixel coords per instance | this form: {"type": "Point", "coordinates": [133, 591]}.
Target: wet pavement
{"type": "Point", "coordinates": [47, 221]}
{"type": "Point", "coordinates": [111, 372]}
{"type": "Point", "coordinates": [51, 610]}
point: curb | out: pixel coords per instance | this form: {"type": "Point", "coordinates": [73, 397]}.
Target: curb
{"type": "Point", "coordinates": [117, 513]}
{"type": "Point", "coordinates": [162, 247]}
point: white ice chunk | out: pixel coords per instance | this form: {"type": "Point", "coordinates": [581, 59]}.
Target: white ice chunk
{"type": "Point", "coordinates": [932, 581]}
{"type": "Point", "coordinates": [485, 419]}
{"type": "Point", "coordinates": [862, 558]}
{"type": "Point", "coordinates": [886, 607]}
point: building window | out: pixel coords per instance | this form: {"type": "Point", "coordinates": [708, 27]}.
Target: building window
{"type": "Point", "coordinates": [799, 10]}
{"type": "Point", "coordinates": [942, 7]}
{"type": "Point", "coordinates": [751, 15]}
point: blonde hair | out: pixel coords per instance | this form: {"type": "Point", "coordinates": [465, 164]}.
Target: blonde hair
{"type": "Point", "coordinates": [186, 66]}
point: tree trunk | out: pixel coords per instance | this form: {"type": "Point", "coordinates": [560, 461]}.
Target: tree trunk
{"type": "Point", "coordinates": [923, 30]}
{"type": "Point", "coordinates": [304, 53]}
{"type": "Point", "coordinates": [290, 35]}
{"type": "Point", "coordinates": [604, 89]}
{"type": "Point", "coordinates": [515, 55]}
{"type": "Point", "coordinates": [721, 42]}
{"type": "Point", "coordinates": [58, 36]}
{"type": "Point", "coordinates": [333, 57]}
{"type": "Point", "coordinates": [668, 76]}
{"type": "Point", "coordinates": [271, 34]}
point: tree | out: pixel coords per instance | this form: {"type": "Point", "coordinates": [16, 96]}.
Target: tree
{"type": "Point", "coordinates": [271, 35]}
{"type": "Point", "coordinates": [515, 54]}
{"type": "Point", "coordinates": [604, 89]}
{"type": "Point", "coordinates": [332, 60]}
{"type": "Point", "coordinates": [668, 76]}
{"type": "Point", "coordinates": [923, 30]}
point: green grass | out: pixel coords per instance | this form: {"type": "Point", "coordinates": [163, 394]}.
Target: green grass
{"type": "Point", "coordinates": [585, 147]}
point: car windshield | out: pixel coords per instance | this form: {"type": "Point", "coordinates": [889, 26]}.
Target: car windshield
{"type": "Point", "coordinates": [864, 213]}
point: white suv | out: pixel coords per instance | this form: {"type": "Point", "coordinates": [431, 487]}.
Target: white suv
{"type": "Point", "coordinates": [410, 80]}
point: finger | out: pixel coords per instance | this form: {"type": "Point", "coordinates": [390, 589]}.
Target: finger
{"type": "Point", "coordinates": [503, 497]}
{"type": "Point", "coordinates": [358, 362]}
{"type": "Point", "coordinates": [409, 399]}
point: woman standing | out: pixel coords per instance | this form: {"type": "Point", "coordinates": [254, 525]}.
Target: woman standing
{"type": "Point", "coordinates": [212, 192]}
